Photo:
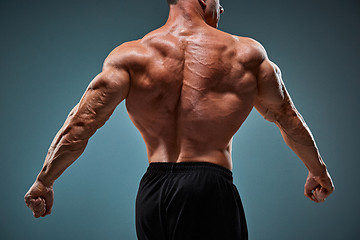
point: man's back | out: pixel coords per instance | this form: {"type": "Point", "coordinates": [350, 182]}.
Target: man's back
{"type": "Point", "coordinates": [194, 90]}
{"type": "Point", "coordinates": [188, 88]}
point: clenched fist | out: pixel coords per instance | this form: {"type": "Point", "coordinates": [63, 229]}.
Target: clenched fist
{"type": "Point", "coordinates": [318, 187]}
{"type": "Point", "coordinates": [40, 199]}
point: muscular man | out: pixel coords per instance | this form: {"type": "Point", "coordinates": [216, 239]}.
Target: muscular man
{"type": "Point", "coordinates": [188, 88]}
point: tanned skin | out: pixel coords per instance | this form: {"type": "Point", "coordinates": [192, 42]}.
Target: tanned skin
{"type": "Point", "coordinates": [188, 88]}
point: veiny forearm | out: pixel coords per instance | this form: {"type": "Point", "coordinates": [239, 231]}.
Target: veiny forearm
{"type": "Point", "coordinates": [64, 150]}
{"type": "Point", "coordinates": [60, 157]}
{"type": "Point", "coordinates": [298, 137]}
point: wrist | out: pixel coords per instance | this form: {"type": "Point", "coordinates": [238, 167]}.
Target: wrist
{"type": "Point", "coordinates": [44, 181]}
{"type": "Point", "coordinates": [319, 171]}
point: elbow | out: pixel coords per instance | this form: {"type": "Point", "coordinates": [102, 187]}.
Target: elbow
{"type": "Point", "coordinates": [288, 121]}
{"type": "Point", "coordinates": [73, 143]}
{"type": "Point", "coordinates": [77, 132]}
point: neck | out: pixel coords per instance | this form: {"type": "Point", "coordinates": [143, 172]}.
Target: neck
{"type": "Point", "coordinates": [186, 14]}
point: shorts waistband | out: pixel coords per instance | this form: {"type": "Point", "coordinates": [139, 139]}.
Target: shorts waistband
{"type": "Point", "coordinates": [181, 167]}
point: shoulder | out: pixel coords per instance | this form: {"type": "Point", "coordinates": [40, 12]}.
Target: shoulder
{"type": "Point", "coordinates": [251, 52]}
{"type": "Point", "coordinates": [262, 58]}
{"type": "Point", "coordinates": [255, 46]}
{"type": "Point", "coordinates": [127, 55]}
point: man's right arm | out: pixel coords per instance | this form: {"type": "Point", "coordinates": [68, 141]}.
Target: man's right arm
{"type": "Point", "coordinates": [275, 105]}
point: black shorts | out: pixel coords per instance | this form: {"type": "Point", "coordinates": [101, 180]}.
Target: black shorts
{"type": "Point", "coordinates": [189, 201]}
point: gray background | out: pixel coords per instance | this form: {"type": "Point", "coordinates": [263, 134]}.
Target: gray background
{"type": "Point", "coordinates": [51, 50]}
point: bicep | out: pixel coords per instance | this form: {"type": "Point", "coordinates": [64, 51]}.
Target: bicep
{"type": "Point", "coordinates": [273, 101]}
{"type": "Point", "coordinates": [275, 105]}
{"type": "Point", "coordinates": [104, 93]}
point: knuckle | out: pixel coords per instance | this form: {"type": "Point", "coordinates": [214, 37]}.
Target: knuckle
{"type": "Point", "coordinates": [26, 197]}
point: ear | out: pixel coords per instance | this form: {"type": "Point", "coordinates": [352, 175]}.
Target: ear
{"type": "Point", "coordinates": [202, 3]}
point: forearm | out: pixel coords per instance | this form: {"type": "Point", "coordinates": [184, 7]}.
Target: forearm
{"type": "Point", "coordinates": [298, 137]}
{"type": "Point", "coordinates": [60, 157]}
{"type": "Point", "coordinates": [64, 149]}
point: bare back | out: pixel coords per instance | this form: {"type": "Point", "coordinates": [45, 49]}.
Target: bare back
{"type": "Point", "coordinates": [190, 92]}
{"type": "Point", "coordinates": [188, 89]}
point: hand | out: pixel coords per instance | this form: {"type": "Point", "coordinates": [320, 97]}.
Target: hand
{"type": "Point", "coordinates": [40, 199]}
{"type": "Point", "coordinates": [318, 188]}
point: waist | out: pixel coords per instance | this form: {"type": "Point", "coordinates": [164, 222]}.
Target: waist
{"type": "Point", "coordinates": [183, 167]}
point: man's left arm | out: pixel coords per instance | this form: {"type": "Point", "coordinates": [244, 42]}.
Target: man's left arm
{"type": "Point", "coordinates": [104, 93]}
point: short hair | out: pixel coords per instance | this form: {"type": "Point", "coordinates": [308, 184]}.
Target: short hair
{"type": "Point", "coordinates": [172, 1]}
